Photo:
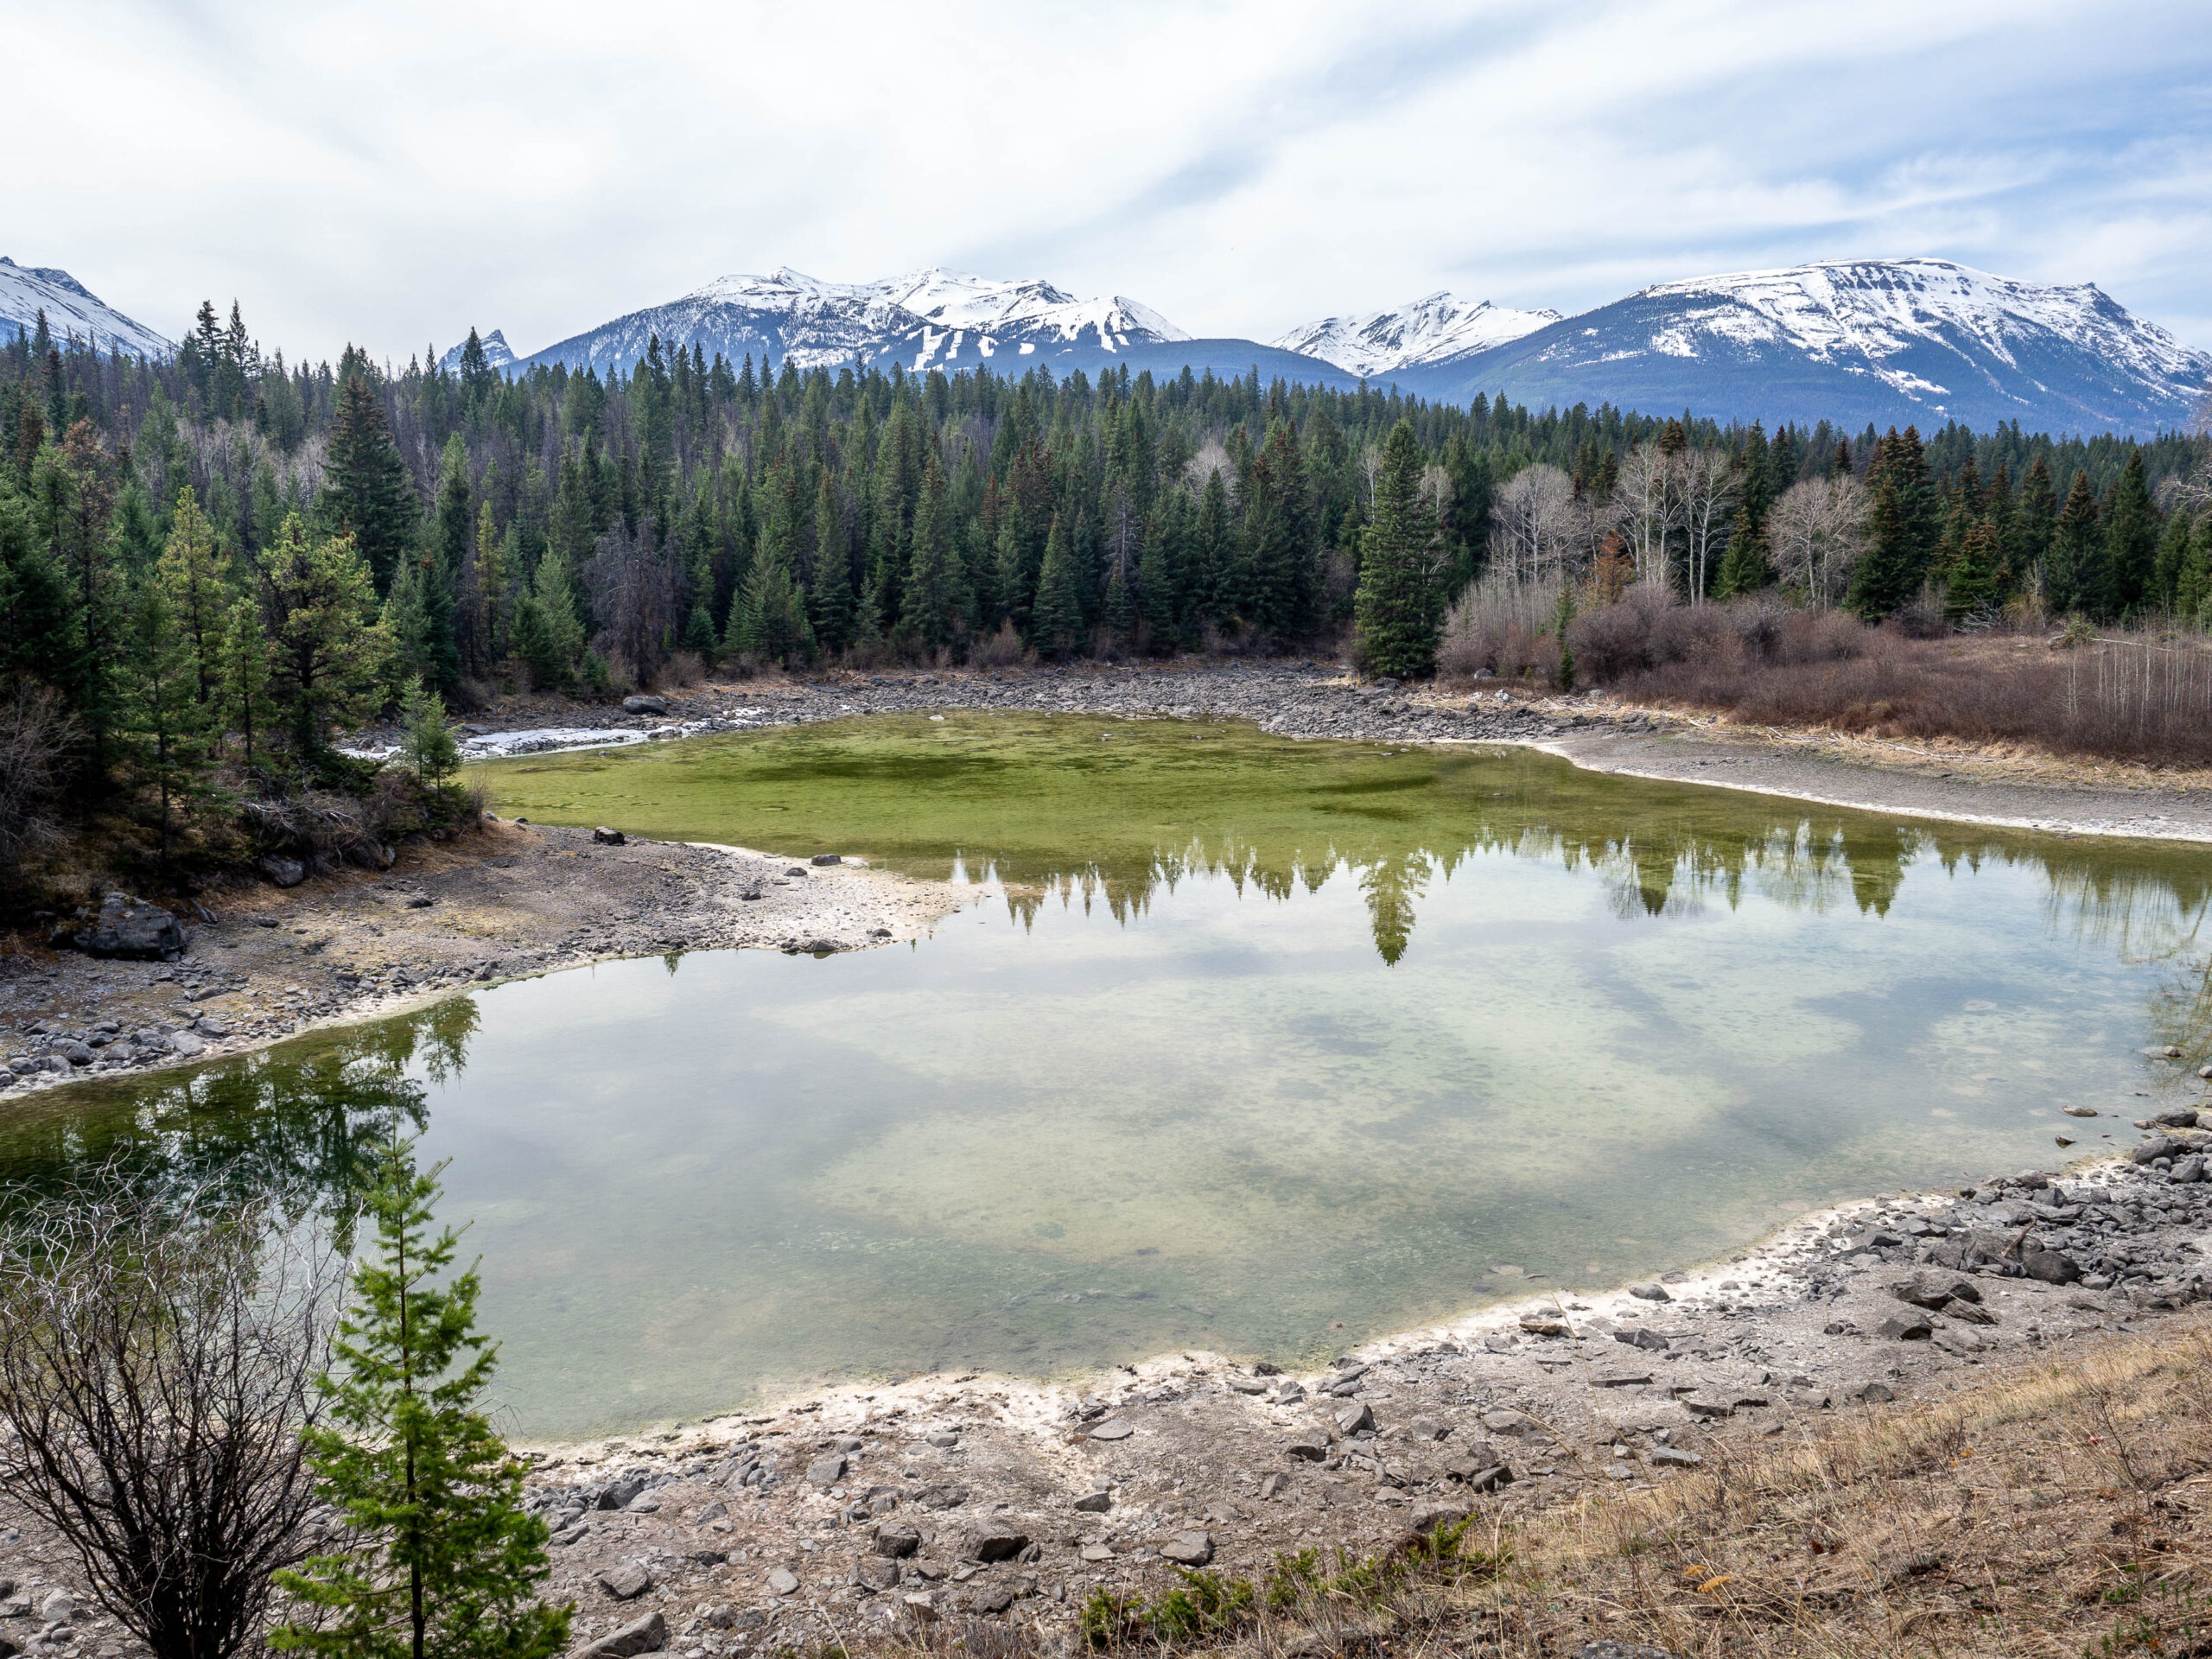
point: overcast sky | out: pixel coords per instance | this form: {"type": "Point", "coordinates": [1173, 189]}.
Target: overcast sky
{"type": "Point", "coordinates": [392, 173]}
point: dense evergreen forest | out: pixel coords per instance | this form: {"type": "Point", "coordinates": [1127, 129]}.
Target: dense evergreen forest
{"type": "Point", "coordinates": [210, 564]}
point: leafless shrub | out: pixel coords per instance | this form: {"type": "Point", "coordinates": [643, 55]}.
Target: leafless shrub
{"type": "Point", "coordinates": [157, 1369]}
{"type": "Point", "coordinates": [1500, 626]}
{"type": "Point", "coordinates": [35, 738]}
{"type": "Point", "coordinates": [682, 668]}
{"type": "Point", "coordinates": [633, 585]}
{"type": "Point", "coordinates": [1002, 650]}
{"type": "Point", "coordinates": [326, 828]}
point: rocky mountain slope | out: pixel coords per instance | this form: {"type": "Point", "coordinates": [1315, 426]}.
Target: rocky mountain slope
{"type": "Point", "coordinates": [71, 308]}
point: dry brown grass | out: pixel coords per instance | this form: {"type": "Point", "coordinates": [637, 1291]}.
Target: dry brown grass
{"type": "Point", "coordinates": [2055, 1511]}
{"type": "Point", "coordinates": [2139, 698]}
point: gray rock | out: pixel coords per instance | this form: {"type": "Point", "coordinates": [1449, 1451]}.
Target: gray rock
{"type": "Point", "coordinates": [782, 1582]}
{"type": "Point", "coordinates": [1247, 1385]}
{"type": "Point", "coordinates": [995, 1599]}
{"type": "Point", "coordinates": [626, 1582]}
{"type": "Point", "coordinates": [59, 1607]}
{"type": "Point", "coordinates": [2156, 1147]}
{"type": "Point", "coordinates": [2177, 1117]}
{"type": "Point", "coordinates": [897, 1540]}
{"type": "Point", "coordinates": [827, 1469]}
{"type": "Point", "coordinates": [1113, 1428]}
{"type": "Point", "coordinates": [1188, 1549]}
{"type": "Point", "coordinates": [1354, 1415]}
{"type": "Point", "coordinates": [2187, 1171]}
{"type": "Point", "coordinates": [875, 1573]}
{"type": "Point", "coordinates": [606, 837]}
{"type": "Point", "coordinates": [715, 1511]}
{"type": "Point", "coordinates": [996, 1544]}
{"type": "Point", "coordinates": [944, 1438]}
{"type": "Point", "coordinates": [645, 704]}
{"type": "Point", "coordinates": [1097, 1503]}
{"type": "Point", "coordinates": [617, 1494]}
{"type": "Point", "coordinates": [1270, 1485]}
{"type": "Point", "coordinates": [1674, 1457]}
{"type": "Point", "coordinates": [188, 1044]}
{"type": "Point", "coordinates": [2052, 1267]}
{"type": "Point", "coordinates": [1620, 1650]}
{"type": "Point", "coordinates": [1905, 1328]}
{"type": "Point", "coordinates": [130, 930]}
{"type": "Point", "coordinates": [1652, 1291]}
{"type": "Point", "coordinates": [1490, 1479]}
{"type": "Point", "coordinates": [1639, 1338]}
{"type": "Point", "coordinates": [941, 1498]}
{"type": "Point", "coordinates": [285, 872]}
{"type": "Point", "coordinates": [1308, 1446]}
{"type": "Point", "coordinates": [647, 1635]}
{"type": "Point", "coordinates": [826, 859]}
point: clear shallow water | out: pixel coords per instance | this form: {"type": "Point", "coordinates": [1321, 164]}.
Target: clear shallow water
{"type": "Point", "coordinates": [1266, 1083]}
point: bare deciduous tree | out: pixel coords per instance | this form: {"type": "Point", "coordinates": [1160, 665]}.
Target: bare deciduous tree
{"type": "Point", "coordinates": [633, 589]}
{"type": "Point", "coordinates": [157, 1369]}
{"type": "Point", "coordinates": [36, 733]}
{"type": "Point", "coordinates": [1648, 507]}
{"type": "Point", "coordinates": [1533, 523]}
{"type": "Point", "coordinates": [1705, 489]}
{"type": "Point", "coordinates": [1815, 533]}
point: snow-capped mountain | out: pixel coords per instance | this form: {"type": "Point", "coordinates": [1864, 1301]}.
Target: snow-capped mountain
{"type": "Point", "coordinates": [1886, 340]}
{"type": "Point", "coordinates": [71, 308]}
{"type": "Point", "coordinates": [1429, 330]}
{"type": "Point", "coordinates": [496, 353]}
{"type": "Point", "coordinates": [932, 318]}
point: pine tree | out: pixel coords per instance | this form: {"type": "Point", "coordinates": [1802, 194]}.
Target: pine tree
{"type": "Point", "coordinates": [440, 1559]}
{"type": "Point", "coordinates": [326, 646]}
{"type": "Point", "coordinates": [1902, 547]}
{"type": "Point", "coordinates": [1399, 609]}
{"type": "Point", "coordinates": [2193, 587]}
{"type": "Point", "coordinates": [427, 736]}
{"type": "Point", "coordinates": [2173, 554]}
{"type": "Point", "coordinates": [1056, 624]}
{"type": "Point", "coordinates": [367, 492]}
{"type": "Point", "coordinates": [191, 583]}
{"type": "Point", "coordinates": [169, 729]}
{"type": "Point", "coordinates": [1971, 588]}
{"type": "Point", "coordinates": [244, 689]}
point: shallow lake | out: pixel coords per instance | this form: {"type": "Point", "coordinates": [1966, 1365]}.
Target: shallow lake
{"type": "Point", "coordinates": [1245, 1044]}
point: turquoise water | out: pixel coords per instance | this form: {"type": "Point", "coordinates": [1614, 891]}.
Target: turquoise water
{"type": "Point", "coordinates": [1234, 1108]}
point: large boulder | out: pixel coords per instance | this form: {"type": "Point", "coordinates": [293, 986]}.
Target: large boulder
{"type": "Point", "coordinates": [130, 929]}
{"type": "Point", "coordinates": [645, 705]}
{"type": "Point", "coordinates": [647, 1635]}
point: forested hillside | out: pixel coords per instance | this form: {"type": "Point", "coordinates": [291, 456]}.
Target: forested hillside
{"type": "Point", "coordinates": [209, 564]}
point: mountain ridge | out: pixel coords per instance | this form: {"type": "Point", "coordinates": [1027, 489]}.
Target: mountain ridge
{"type": "Point", "coordinates": [71, 307]}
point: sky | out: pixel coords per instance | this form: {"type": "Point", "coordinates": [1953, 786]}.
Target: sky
{"type": "Point", "coordinates": [392, 173]}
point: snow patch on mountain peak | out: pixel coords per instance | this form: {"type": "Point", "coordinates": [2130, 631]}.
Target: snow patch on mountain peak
{"type": "Point", "coordinates": [1427, 330]}
{"type": "Point", "coordinates": [71, 308]}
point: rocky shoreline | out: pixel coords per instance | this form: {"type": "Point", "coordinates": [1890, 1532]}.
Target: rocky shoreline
{"type": "Point", "coordinates": [880, 1509]}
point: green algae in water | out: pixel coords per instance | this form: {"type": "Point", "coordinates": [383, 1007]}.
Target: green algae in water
{"type": "Point", "coordinates": [1257, 1046]}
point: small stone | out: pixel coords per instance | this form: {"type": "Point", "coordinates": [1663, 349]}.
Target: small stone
{"type": "Point", "coordinates": [1353, 1416]}
{"type": "Point", "coordinates": [1273, 1485]}
{"type": "Point", "coordinates": [1247, 1385]}
{"type": "Point", "coordinates": [1490, 1479]}
{"type": "Point", "coordinates": [1097, 1503]}
{"type": "Point", "coordinates": [1544, 1325]}
{"type": "Point", "coordinates": [944, 1438]}
{"type": "Point", "coordinates": [897, 1539]}
{"type": "Point", "coordinates": [782, 1581]}
{"type": "Point", "coordinates": [1651, 1291]}
{"type": "Point", "coordinates": [1706, 1405]}
{"type": "Point", "coordinates": [1113, 1428]}
{"type": "Point", "coordinates": [825, 859]}
{"type": "Point", "coordinates": [1188, 1549]}
{"type": "Point", "coordinates": [1619, 1379]}
{"type": "Point", "coordinates": [2079, 1111]}
{"type": "Point", "coordinates": [1674, 1457]}
{"type": "Point", "coordinates": [2052, 1267]}
{"type": "Point", "coordinates": [1905, 1328]}
{"type": "Point", "coordinates": [996, 1600]}
{"type": "Point", "coordinates": [626, 1582]}
{"type": "Point", "coordinates": [1430, 1517]}
{"type": "Point", "coordinates": [1620, 1650]}
{"type": "Point", "coordinates": [827, 1469]}
{"type": "Point", "coordinates": [1310, 1446]}
{"type": "Point", "coordinates": [606, 837]}
{"type": "Point", "coordinates": [285, 872]}
{"type": "Point", "coordinates": [1095, 1552]}
{"type": "Point", "coordinates": [59, 1607]}
{"type": "Point", "coordinates": [1640, 1338]}
{"type": "Point", "coordinates": [997, 1546]}
{"type": "Point", "coordinates": [1870, 1394]}
{"type": "Point", "coordinates": [875, 1573]}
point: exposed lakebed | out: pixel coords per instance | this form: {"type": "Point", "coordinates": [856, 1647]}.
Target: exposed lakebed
{"type": "Point", "coordinates": [1246, 1044]}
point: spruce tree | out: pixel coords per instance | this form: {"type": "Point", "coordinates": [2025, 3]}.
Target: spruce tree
{"type": "Point", "coordinates": [367, 492]}
{"type": "Point", "coordinates": [2193, 587]}
{"type": "Point", "coordinates": [2131, 550]}
{"type": "Point", "coordinates": [327, 648]}
{"type": "Point", "coordinates": [936, 590]}
{"type": "Point", "coordinates": [197, 600]}
{"type": "Point", "coordinates": [2173, 554]}
{"type": "Point", "coordinates": [2073, 577]}
{"type": "Point", "coordinates": [1399, 609]}
{"type": "Point", "coordinates": [169, 731]}
{"type": "Point", "coordinates": [246, 674]}
{"type": "Point", "coordinates": [1056, 623]}
{"type": "Point", "coordinates": [427, 738]}
{"type": "Point", "coordinates": [440, 1559]}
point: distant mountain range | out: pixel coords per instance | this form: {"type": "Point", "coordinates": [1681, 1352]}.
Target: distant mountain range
{"type": "Point", "coordinates": [1880, 341]}
{"type": "Point", "coordinates": [71, 308]}
{"type": "Point", "coordinates": [930, 319]}
{"type": "Point", "coordinates": [1885, 341]}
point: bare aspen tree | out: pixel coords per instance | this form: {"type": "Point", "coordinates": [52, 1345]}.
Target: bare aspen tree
{"type": "Point", "coordinates": [1533, 517]}
{"type": "Point", "coordinates": [1815, 533]}
{"type": "Point", "coordinates": [157, 1366]}
{"type": "Point", "coordinates": [1647, 504]}
{"type": "Point", "coordinates": [1704, 492]}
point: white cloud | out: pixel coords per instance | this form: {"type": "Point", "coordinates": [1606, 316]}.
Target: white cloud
{"type": "Point", "coordinates": [394, 173]}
